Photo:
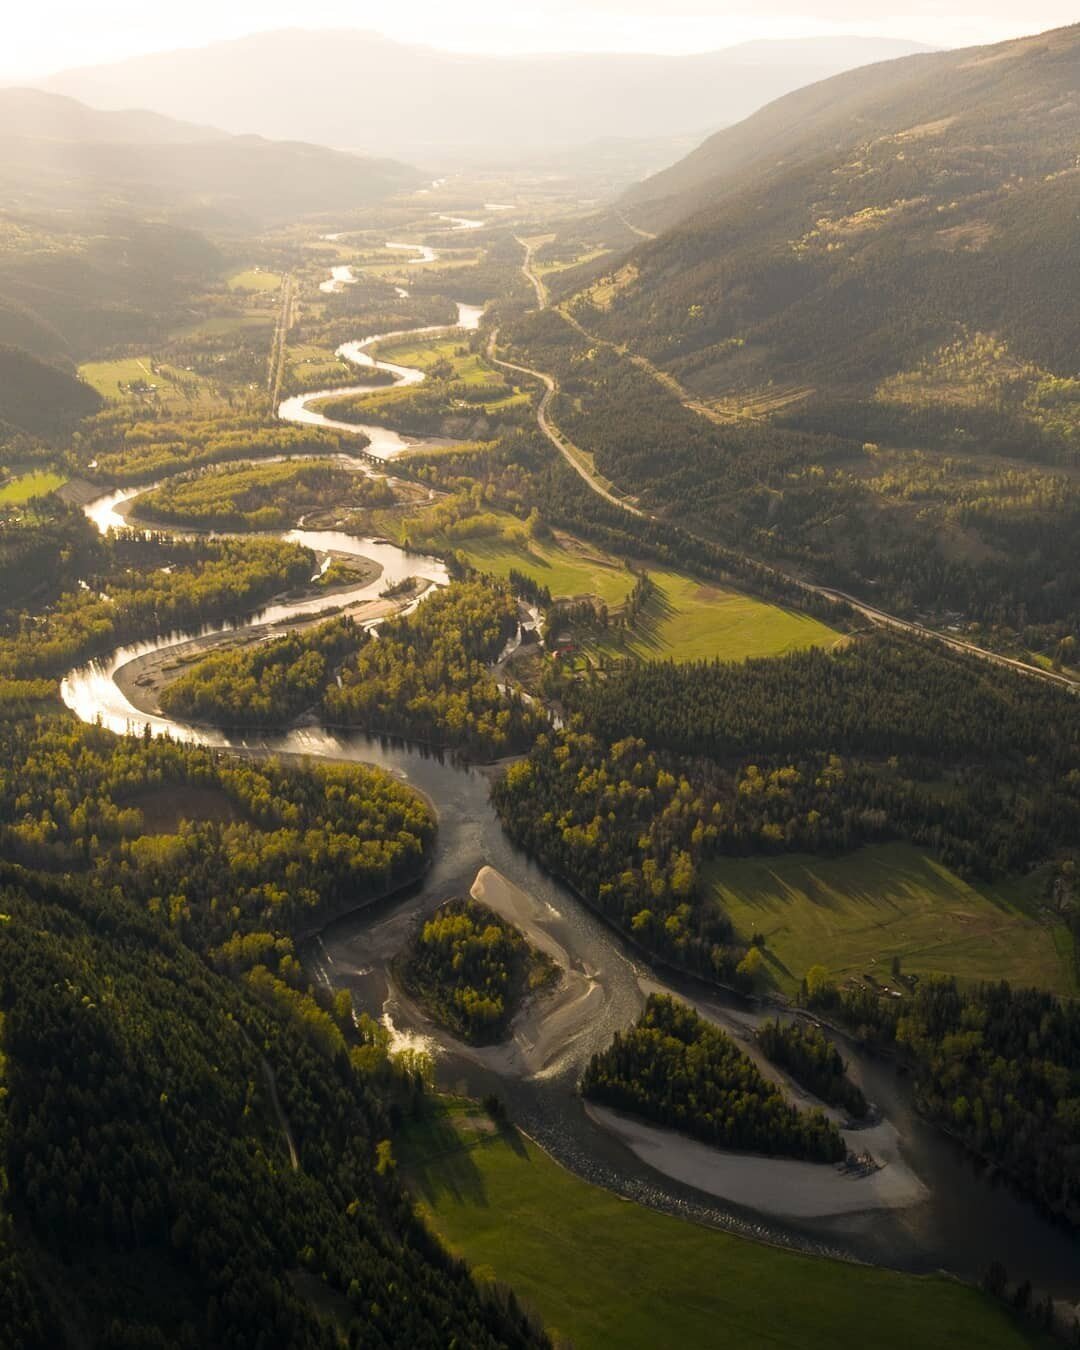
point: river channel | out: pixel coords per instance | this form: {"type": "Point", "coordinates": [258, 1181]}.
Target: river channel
{"type": "Point", "coordinates": [961, 1221]}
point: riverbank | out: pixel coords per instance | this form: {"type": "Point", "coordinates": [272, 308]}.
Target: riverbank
{"type": "Point", "coordinates": [142, 680]}
{"type": "Point", "coordinates": [779, 1187]}
{"type": "Point", "coordinates": [602, 1272]}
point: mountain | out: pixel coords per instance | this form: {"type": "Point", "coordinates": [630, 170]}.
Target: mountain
{"type": "Point", "coordinates": [38, 398]}
{"type": "Point", "coordinates": [844, 233]}
{"type": "Point", "coordinates": [58, 153]}
{"type": "Point", "coordinates": [106, 216]}
{"type": "Point", "coordinates": [353, 88]}
{"type": "Point", "coordinates": [865, 337]}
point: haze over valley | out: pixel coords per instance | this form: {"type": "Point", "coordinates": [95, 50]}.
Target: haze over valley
{"type": "Point", "coordinates": [539, 669]}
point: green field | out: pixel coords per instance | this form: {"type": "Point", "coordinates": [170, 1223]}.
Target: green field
{"type": "Point", "coordinates": [254, 279]}
{"type": "Point", "coordinates": [563, 264]}
{"type": "Point", "coordinates": [566, 566]}
{"type": "Point", "coordinates": [228, 323]}
{"type": "Point", "coordinates": [691, 620]}
{"type": "Point", "coordinates": [853, 914]}
{"type": "Point", "coordinates": [466, 368]}
{"type": "Point", "coordinates": [36, 484]}
{"type": "Point", "coordinates": [611, 1275]}
{"type": "Point", "coordinates": [171, 388]}
{"type": "Point", "coordinates": [311, 365]}
{"type": "Point", "coordinates": [687, 620]}
{"type": "Point", "coordinates": [469, 367]}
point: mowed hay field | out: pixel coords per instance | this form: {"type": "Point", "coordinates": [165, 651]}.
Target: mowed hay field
{"type": "Point", "coordinates": [254, 279]}
{"type": "Point", "coordinates": [608, 1274]}
{"type": "Point", "coordinates": [171, 388]}
{"type": "Point", "coordinates": [690, 620]}
{"type": "Point", "coordinates": [853, 914]}
{"type": "Point", "coordinates": [28, 485]}
{"type": "Point", "coordinates": [564, 565]}
{"type": "Point", "coordinates": [685, 620]}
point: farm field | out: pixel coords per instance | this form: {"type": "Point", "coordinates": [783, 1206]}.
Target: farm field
{"type": "Point", "coordinates": [574, 1252]}
{"type": "Point", "coordinates": [254, 279]}
{"type": "Point", "coordinates": [853, 914]}
{"type": "Point", "coordinates": [686, 620]}
{"type": "Point", "coordinates": [690, 620]}
{"type": "Point", "coordinates": [563, 564]}
{"type": "Point", "coordinates": [228, 323]}
{"type": "Point", "coordinates": [469, 367]}
{"type": "Point", "coordinates": [173, 388]}
{"type": "Point", "coordinates": [27, 485]}
{"type": "Point", "coordinates": [310, 365]}
{"type": "Point", "coordinates": [548, 268]}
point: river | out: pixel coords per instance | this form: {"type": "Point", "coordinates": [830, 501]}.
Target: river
{"type": "Point", "coordinates": [963, 1223]}
{"type": "Point", "coordinates": [383, 443]}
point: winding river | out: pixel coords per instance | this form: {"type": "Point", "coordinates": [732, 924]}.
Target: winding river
{"type": "Point", "coordinates": [384, 443]}
{"type": "Point", "coordinates": [959, 1222]}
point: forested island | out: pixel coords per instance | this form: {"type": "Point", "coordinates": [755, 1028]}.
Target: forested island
{"type": "Point", "coordinates": [261, 496]}
{"type": "Point", "coordinates": [268, 685]}
{"type": "Point", "coordinates": [471, 970]}
{"type": "Point", "coordinates": [675, 1069]}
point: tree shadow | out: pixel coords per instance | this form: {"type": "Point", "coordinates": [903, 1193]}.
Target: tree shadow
{"type": "Point", "coordinates": [511, 1135]}
{"type": "Point", "coordinates": [438, 1161]}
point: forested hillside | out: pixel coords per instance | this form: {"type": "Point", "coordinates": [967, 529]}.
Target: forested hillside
{"type": "Point", "coordinates": [39, 398]}
{"type": "Point", "coordinates": [845, 232]}
{"type": "Point", "coordinates": [147, 1112]}
{"type": "Point", "coordinates": [112, 221]}
{"type": "Point", "coordinates": [72, 286]}
{"type": "Point", "coordinates": [946, 532]}
{"type": "Point", "coordinates": [55, 152]}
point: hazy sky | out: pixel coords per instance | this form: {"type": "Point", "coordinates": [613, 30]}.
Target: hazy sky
{"type": "Point", "coordinates": [39, 38]}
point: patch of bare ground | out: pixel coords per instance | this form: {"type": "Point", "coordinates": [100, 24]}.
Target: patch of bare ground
{"type": "Point", "coordinates": [164, 807]}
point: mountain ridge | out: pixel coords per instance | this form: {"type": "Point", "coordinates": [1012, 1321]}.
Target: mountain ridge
{"type": "Point", "coordinates": [541, 101]}
{"type": "Point", "coordinates": [54, 149]}
{"type": "Point", "coordinates": [845, 231]}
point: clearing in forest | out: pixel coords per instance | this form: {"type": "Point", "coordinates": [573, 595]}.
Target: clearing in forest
{"type": "Point", "coordinates": [853, 914]}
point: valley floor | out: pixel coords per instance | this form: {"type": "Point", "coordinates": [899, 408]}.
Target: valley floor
{"type": "Point", "coordinates": [604, 1272]}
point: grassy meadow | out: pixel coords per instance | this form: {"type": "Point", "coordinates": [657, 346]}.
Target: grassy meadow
{"type": "Point", "coordinates": [565, 565]}
{"type": "Point", "coordinates": [608, 1274]}
{"type": "Point", "coordinates": [173, 389]}
{"type": "Point", "coordinates": [690, 620]}
{"type": "Point", "coordinates": [16, 491]}
{"type": "Point", "coordinates": [254, 279]}
{"type": "Point", "coordinates": [685, 620]}
{"type": "Point", "coordinates": [853, 914]}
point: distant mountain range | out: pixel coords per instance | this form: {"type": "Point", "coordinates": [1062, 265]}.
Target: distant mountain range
{"type": "Point", "coordinates": [843, 232]}
{"type": "Point", "coordinates": [105, 224]}
{"type": "Point", "coordinates": [56, 152]}
{"type": "Point", "coordinates": [357, 89]}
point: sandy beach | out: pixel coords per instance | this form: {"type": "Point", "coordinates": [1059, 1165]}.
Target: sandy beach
{"type": "Point", "coordinates": [547, 1026]}
{"type": "Point", "coordinates": [142, 680]}
{"type": "Point", "coordinates": [776, 1186]}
